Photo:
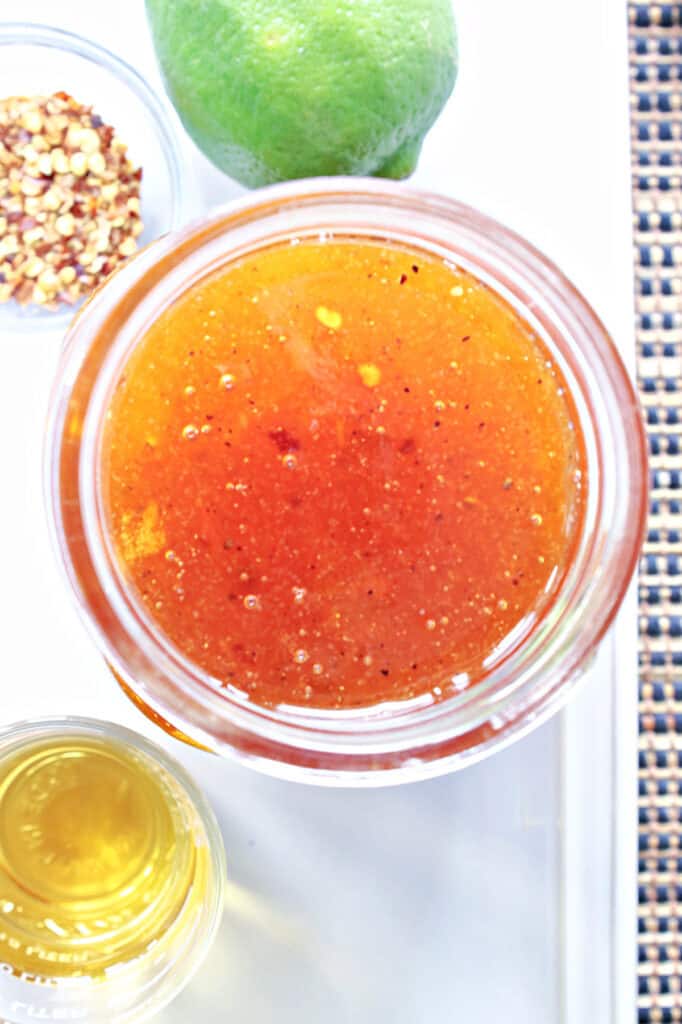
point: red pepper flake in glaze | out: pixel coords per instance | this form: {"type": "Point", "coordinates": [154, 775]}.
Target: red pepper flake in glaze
{"type": "Point", "coordinates": [284, 441]}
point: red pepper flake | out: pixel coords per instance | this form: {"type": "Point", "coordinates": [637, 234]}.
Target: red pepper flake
{"type": "Point", "coordinates": [284, 441]}
{"type": "Point", "coordinates": [67, 188]}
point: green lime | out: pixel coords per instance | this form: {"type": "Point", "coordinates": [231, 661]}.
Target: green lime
{"type": "Point", "coordinates": [278, 89]}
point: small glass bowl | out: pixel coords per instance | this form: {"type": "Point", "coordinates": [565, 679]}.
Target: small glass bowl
{"type": "Point", "coordinates": [40, 60]}
{"type": "Point", "coordinates": [132, 990]}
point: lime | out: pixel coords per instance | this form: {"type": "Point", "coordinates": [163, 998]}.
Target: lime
{"type": "Point", "coordinates": [278, 89]}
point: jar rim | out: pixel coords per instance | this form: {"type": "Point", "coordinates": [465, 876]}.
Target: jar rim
{"type": "Point", "coordinates": [369, 746]}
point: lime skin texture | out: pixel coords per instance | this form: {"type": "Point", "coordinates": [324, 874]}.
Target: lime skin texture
{"type": "Point", "coordinates": [272, 90]}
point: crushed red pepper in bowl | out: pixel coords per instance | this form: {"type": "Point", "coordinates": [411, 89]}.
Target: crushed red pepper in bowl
{"type": "Point", "coordinates": [69, 201]}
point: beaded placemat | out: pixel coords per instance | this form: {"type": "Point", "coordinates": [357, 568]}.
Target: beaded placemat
{"type": "Point", "coordinates": [656, 119]}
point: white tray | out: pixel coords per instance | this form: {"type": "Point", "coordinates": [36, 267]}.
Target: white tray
{"type": "Point", "coordinates": [506, 892]}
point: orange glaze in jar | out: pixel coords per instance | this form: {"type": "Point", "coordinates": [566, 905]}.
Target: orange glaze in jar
{"type": "Point", "coordinates": [338, 473]}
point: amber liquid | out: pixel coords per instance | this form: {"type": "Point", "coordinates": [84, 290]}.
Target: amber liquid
{"type": "Point", "coordinates": [340, 473]}
{"type": "Point", "coordinates": [96, 859]}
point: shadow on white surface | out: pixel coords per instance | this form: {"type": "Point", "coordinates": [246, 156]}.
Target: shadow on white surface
{"type": "Point", "coordinates": [385, 904]}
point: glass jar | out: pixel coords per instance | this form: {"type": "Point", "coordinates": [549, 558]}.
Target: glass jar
{"type": "Point", "coordinates": [372, 745]}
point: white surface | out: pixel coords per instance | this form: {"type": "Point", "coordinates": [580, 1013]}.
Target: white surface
{"type": "Point", "coordinates": [445, 899]}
